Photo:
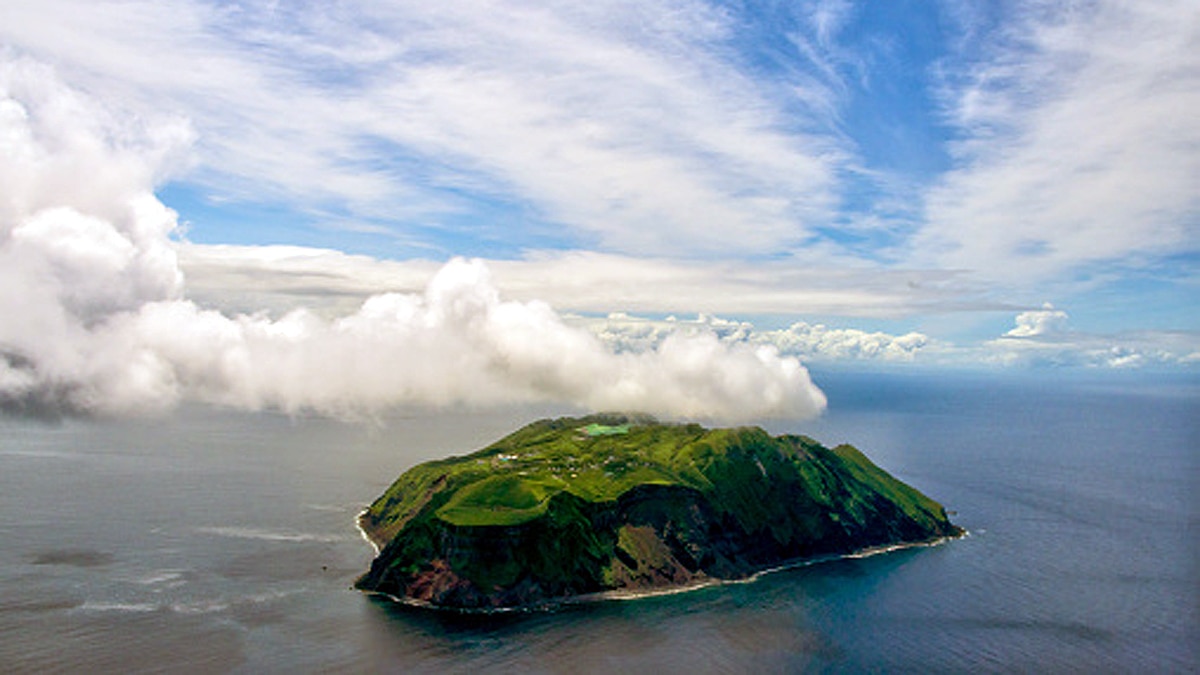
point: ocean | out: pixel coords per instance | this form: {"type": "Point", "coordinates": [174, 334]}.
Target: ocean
{"type": "Point", "coordinates": [221, 541]}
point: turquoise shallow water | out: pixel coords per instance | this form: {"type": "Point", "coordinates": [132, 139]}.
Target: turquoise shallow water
{"type": "Point", "coordinates": [214, 541]}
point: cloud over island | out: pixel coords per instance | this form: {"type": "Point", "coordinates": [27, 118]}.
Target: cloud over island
{"type": "Point", "coordinates": [98, 319]}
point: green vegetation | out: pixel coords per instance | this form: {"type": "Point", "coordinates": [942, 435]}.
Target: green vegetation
{"type": "Point", "coordinates": [509, 482]}
{"type": "Point", "coordinates": [595, 429]}
{"type": "Point", "coordinates": [578, 505]}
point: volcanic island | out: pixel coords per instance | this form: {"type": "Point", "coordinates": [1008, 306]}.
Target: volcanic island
{"type": "Point", "coordinates": [572, 509]}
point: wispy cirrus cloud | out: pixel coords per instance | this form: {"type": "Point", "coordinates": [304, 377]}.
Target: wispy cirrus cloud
{"type": "Point", "coordinates": [1076, 142]}
{"type": "Point", "coordinates": [654, 129]}
{"type": "Point", "coordinates": [623, 124]}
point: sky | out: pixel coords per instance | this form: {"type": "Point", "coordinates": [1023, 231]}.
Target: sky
{"type": "Point", "coordinates": [673, 206]}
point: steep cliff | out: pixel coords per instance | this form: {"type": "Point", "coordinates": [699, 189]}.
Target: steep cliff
{"type": "Point", "coordinates": [578, 506]}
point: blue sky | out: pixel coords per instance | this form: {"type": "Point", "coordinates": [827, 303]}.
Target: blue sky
{"type": "Point", "coordinates": [1015, 182]}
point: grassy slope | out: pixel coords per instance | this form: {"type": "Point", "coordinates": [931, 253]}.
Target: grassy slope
{"type": "Point", "coordinates": [513, 480]}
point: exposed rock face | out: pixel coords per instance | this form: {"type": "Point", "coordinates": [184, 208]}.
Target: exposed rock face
{"type": "Point", "coordinates": [552, 513]}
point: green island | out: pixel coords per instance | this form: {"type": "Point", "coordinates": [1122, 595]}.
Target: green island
{"type": "Point", "coordinates": [610, 505]}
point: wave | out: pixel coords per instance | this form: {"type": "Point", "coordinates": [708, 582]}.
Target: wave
{"type": "Point", "coordinates": [192, 607]}
{"type": "Point", "coordinates": [41, 454]}
{"type": "Point", "coordinates": [328, 508]}
{"type": "Point", "coordinates": [199, 607]}
{"type": "Point", "coordinates": [363, 533]}
{"type": "Point", "coordinates": [271, 535]}
{"type": "Point", "coordinates": [127, 607]}
{"type": "Point", "coordinates": [165, 578]}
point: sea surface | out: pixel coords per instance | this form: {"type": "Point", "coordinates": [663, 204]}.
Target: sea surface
{"type": "Point", "coordinates": [220, 541]}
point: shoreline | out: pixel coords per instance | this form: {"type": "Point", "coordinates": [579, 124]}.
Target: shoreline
{"type": "Point", "coordinates": [620, 595]}
{"type": "Point", "coordinates": [363, 533]}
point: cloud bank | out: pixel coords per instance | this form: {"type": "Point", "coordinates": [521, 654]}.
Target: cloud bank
{"type": "Point", "coordinates": [1039, 338]}
{"type": "Point", "coordinates": [809, 342]}
{"type": "Point", "coordinates": [95, 316]}
{"type": "Point", "coordinates": [589, 286]}
{"type": "Point", "coordinates": [242, 278]}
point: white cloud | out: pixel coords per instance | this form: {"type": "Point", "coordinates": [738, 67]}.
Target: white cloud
{"type": "Point", "coordinates": [1045, 321]}
{"type": "Point", "coordinates": [808, 342]}
{"type": "Point", "coordinates": [1078, 143]}
{"type": "Point", "coordinates": [622, 121]}
{"type": "Point", "coordinates": [822, 343]}
{"type": "Point", "coordinates": [638, 128]}
{"type": "Point", "coordinates": [278, 277]}
{"type": "Point", "coordinates": [95, 317]}
{"type": "Point", "coordinates": [1039, 338]}
{"type": "Point", "coordinates": [1043, 338]}
{"type": "Point", "coordinates": [457, 341]}
{"type": "Point", "coordinates": [81, 235]}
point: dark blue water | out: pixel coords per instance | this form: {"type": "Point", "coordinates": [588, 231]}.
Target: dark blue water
{"type": "Point", "coordinates": [214, 541]}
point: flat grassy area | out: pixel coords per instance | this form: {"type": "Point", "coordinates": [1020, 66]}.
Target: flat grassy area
{"type": "Point", "coordinates": [595, 429]}
{"type": "Point", "coordinates": [502, 499]}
